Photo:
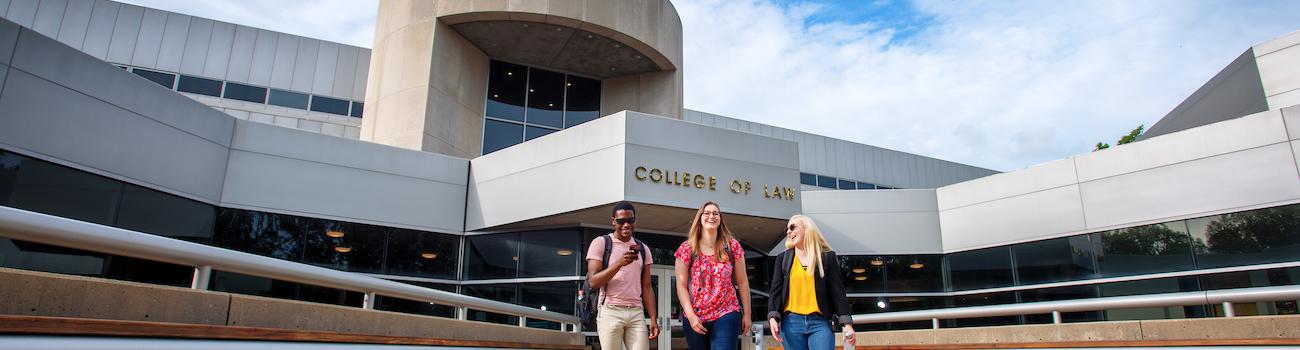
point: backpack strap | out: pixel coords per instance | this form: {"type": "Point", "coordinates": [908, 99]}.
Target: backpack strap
{"type": "Point", "coordinates": [609, 248]}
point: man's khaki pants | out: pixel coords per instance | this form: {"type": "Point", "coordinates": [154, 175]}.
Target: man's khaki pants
{"type": "Point", "coordinates": [619, 326]}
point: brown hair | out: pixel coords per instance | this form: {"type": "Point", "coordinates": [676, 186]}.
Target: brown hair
{"type": "Point", "coordinates": [720, 243]}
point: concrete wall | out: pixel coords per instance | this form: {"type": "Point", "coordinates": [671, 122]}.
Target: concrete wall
{"type": "Point", "coordinates": [876, 221]}
{"type": "Point", "coordinates": [1277, 60]}
{"type": "Point", "coordinates": [827, 156]}
{"type": "Point", "coordinates": [67, 107]}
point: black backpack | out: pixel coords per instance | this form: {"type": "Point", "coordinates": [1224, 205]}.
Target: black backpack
{"type": "Point", "coordinates": [589, 299]}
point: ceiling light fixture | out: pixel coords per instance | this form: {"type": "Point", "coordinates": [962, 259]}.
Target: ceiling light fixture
{"type": "Point", "coordinates": [916, 264]}
{"type": "Point", "coordinates": [877, 262]}
{"type": "Point", "coordinates": [342, 249]}
{"type": "Point", "coordinates": [859, 270]}
{"type": "Point", "coordinates": [429, 255]}
{"type": "Point", "coordinates": [564, 252]}
{"type": "Point", "coordinates": [334, 234]}
{"type": "Point", "coordinates": [860, 278]}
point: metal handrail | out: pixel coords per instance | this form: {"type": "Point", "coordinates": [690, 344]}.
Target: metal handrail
{"type": "Point", "coordinates": [53, 230]}
{"type": "Point", "coordinates": [1226, 297]}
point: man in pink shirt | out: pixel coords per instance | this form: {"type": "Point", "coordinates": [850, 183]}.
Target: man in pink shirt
{"type": "Point", "coordinates": [625, 285]}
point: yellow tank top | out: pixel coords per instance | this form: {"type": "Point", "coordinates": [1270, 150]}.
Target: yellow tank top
{"type": "Point", "coordinates": [803, 294]}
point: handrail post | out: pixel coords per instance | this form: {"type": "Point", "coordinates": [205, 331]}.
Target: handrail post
{"type": "Point", "coordinates": [934, 323]}
{"type": "Point", "coordinates": [1056, 317]}
{"type": "Point", "coordinates": [369, 302]}
{"type": "Point", "coordinates": [1229, 310]}
{"type": "Point", "coordinates": [462, 313]}
{"type": "Point", "coordinates": [202, 275]}
{"type": "Point", "coordinates": [523, 321]}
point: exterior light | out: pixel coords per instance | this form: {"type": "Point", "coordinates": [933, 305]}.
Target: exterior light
{"type": "Point", "coordinates": [530, 90]}
{"type": "Point", "coordinates": [860, 278]}
{"type": "Point", "coordinates": [881, 304]}
{"type": "Point", "coordinates": [334, 234]}
{"type": "Point", "coordinates": [568, 84]}
{"type": "Point", "coordinates": [859, 270]}
{"type": "Point", "coordinates": [510, 73]}
{"type": "Point", "coordinates": [495, 95]}
{"type": "Point", "coordinates": [342, 249]}
{"type": "Point", "coordinates": [877, 262]}
{"type": "Point", "coordinates": [550, 105]}
{"type": "Point", "coordinates": [543, 307]}
{"type": "Point", "coordinates": [564, 252]}
{"type": "Point", "coordinates": [429, 255]}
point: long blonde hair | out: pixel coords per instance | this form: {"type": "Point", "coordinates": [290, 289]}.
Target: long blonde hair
{"type": "Point", "coordinates": [720, 243]}
{"type": "Point", "coordinates": [813, 241]}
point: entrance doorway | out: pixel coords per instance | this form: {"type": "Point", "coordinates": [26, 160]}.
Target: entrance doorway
{"type": "Point", "coordinates": [670, 324]}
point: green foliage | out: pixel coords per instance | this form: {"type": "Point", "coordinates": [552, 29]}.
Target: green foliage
{"type": "Point", "coordinates": [1255, 231]}
{"type": "Point", "coordinates": [1132, 136]}
{"type": "Point", "coordinates": [1149, 240]}
{"type": "Point", "coordinates": [1101, 146]}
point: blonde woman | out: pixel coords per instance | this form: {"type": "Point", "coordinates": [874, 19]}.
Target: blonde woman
{"type": "Point", "coordinates": [710, 272]}
{"type": "Point", "coordinates": [807, 297]}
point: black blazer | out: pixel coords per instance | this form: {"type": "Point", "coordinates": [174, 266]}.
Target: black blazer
{"type": "Point", "coordinates": [830, 289]}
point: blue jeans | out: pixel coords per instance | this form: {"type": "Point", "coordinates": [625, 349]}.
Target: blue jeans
{"type": "Point", "coordinates": [722, 333]}
{"type": "Point", "coordinates": [806, 332]}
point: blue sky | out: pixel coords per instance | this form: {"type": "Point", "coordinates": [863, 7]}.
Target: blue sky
{"type": "Point", "coordinates": [999, 84]}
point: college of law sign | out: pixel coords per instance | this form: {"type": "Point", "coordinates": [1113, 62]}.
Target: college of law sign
{"type": "Point", "coordinates": [701, 181]}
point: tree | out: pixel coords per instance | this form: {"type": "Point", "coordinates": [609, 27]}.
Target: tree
{"type": "Point", "coordinates": [1132, 136]}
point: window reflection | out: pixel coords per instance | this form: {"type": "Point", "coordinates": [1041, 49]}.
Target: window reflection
{"type": "Point", "coordinates": [1054, 260]}
{"type": "Point", "coordinates": [978, 269]}
{"type": "Point", "coordinates": [1258, 278]}
{"type": "Point", "coordinates": [345, 246]}
{"type": "Point", "coordinates": [914, 273]}
{"type": "Point", "coordinates": [506, 84]}
{"type": "Point", "coordinates": [150, 211]}
{"type": "Point", "coordinates": [266, 234]}
{"type": "Point", "coordinates": [491, 256]}
{"type": "Point", "coordinates": [498, 292]}
{"type": "Point", "coordinates": [862, 274]}
{"type": "Point", "coordinates": [1061, 293]}
{"type": "Point", "coordinates": [1000, 298]}
{"type": "Point", "coordinates": [498, 135]}
{"type": "Point", "coordinates": [1253, 237]}
{"type": "Point", "coordinates": [582, 100]}
{"type": "Point", "coordinates": [545, 98]}
{"type": "Point", "coordinates": [549, 253]}
{"type": "Point", "coordinates": [418, 307]}
{"type": "Point", "coordinates": [423, 254]}
{"type": "Point", "coordinates": [1144, 249]}
{"type": "Point", "coordinates": [1154, 286]}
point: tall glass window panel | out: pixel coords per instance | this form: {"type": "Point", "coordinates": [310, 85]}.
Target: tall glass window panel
{"type": "Point", "coordinates": [582, 101]}
{"type": "Point", "coordinates": [498, 292]}
{"type": "Point", "coordinates": [1054, 260]}
{"type": "Point", "coordinates": [549, 253]}
{"type": "Point", "coordinates": [914, 273]}
{"type": "Point", "coordinates": [1001, 298]}
{"type": "Point", "coordinates": [759, 270]}
{"type": "Point", "coordinates": [862, 273]}
{"type": "Point", "coordinates": [167, 80]}
{"type": "Point", "coordinates": [1143, 250]}
{"type": "Point", "coordinates": [422, 254]}
{"type": "Point", "coordinates": [1252, 237]}
{"type": "Point", "coordinates": [53, 189]}
{"type": "Point", "coordinates": [979, 269]}
{"type": "Point", "coordinates": [507, 86]}
{"type": "Point", "coordinates": [534, 132]}
{"type": "Point", "coordinates": [1062, 293]}
{"type": "Point", "coordinates": [1153, 286]}
{"type": "Point", "coordinates": [549, 296]}
{"type": "Point", "coordinates": [147, 210]}
{"type": "Point", "coordinates": [329, 105]}
{"type": "Point", "coordinates": [243, 92]}
{"type": "Point", "coordinates": [25, 255]}
{"type": "Point", "coordinates": [491, 256]}
{"type": "Point", "coordinates": [274, 235]}
{"type": "Point", "coordinates": [199, 86]}
{"type": "Point", "coordinates": [1257, 278]}
{"type": "Point", "coordinates": [498, 135]}
{"type": "Point", "coordinates": [287, 99]}
{"type": "Point", "coordinates": [345, 246]}
{"type": "Point", "coordinates": [545, 98]}
{"type": "Point", "coordinates": [387, 303]}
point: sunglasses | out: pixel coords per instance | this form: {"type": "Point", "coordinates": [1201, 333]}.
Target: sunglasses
{"type": "Point", "coordinates": [624, 221]}
{"type": "Point", "coordinates": [792, 227]}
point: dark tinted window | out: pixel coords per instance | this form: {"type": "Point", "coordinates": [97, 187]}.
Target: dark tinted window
{"type": "Point", "coordinates": [1054, 260]}
{"type": "Point", "coordinates": [862, 274]}
{"type": "Point", "coordinates": [549, 253]}
{"type": "Point", "coordinates": [826, 181]}
{"type": "Point", "coordinates": [1061, 293]}
{"type": "Point", "coordinates": [499, 134]}
{"type": "Point", "coordinates": [879, 187]}
{"type": "Point", "coordinates": [545, 98]}
{"type": "Point", "coordinates": [423, 254]}
{"type": "Point", "coordinates": [287, 99]}
{"type": "Point", "coordinates": [44, 187]}
{"type": "Point", "coordinates": [534, 132]}
{"type": "Point", "coordinates": [245, 92]}
{"type": "Point", "coordinates": [274, 235]}
{"type": "Point", "coordinates": [978, 269]}
{"type": "Point", "coordinates": [498, 292]}
{"type": "Point", "coordinates": [223, 281]}
{"type": "Point", "coordinates": [582, 102]}
{"type": "Point", "coordinates": [1253, 237]}
{"type": "Point", "coordinates": [507, 84]}
{"type": "Point", "coordinates": [418, 307]}
{"type": "Point", "coordinates": [357, 108]}
{"type": "Point", "coordinates": [914, 273]}
{"type": "Point", "coordinates": [1153, 286]}
{"type": "Point", "coordinates": [848, 185]}
{"type": "Point", "coordinates": [491, 256]}
{"type": "Point", "coordinates": [549, 296]}
{"type": "Point", "coordinates": [1001, 298]}
{"type": "Point", "coordinates": [329, 105]}
{"type": "Point", "coordinates": [150, 211]}
{"type": "Point", "coordinates": [808, 179]}
{"type": "Point", "coordinates": [199, 86]}
{"type": "Point", "coordinates": [866, 186]}
{"type": "Point", "coordinates": [344, 246]}
{"type": "Point", "coordinates": [1143, 250]}
{"type": "Point", "coordinates": [165, 79]}
{"type": "Point", "coordinates": [39, 257]}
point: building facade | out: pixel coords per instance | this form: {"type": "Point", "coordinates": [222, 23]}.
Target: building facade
{"type": "Point", "coordinates": [482, 143]}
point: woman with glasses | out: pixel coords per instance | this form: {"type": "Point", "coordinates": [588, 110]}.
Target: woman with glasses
{"type": "Point", "coordinates": [710, 271]}
{"type": "Point", "coordinates": [807, 297]}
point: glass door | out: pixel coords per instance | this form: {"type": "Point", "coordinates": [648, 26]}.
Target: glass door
{"type": "Point", "coordinates": [670, 326]}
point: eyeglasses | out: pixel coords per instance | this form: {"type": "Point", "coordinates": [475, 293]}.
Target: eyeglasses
{"type": "Point", "coordinates": [710, 213]}
{"type": "Point", "coordinates": [624, 221]}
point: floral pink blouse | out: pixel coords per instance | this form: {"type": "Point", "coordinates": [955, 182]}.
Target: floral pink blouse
{"type": "Point", "coordinates": [711, 289]}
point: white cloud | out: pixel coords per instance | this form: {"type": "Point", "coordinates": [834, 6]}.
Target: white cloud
{"type": "Point", "coordinates": [350, 22]}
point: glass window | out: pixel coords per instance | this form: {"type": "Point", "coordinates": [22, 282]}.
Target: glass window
{"type": "Point", "coordinates": [423, 254]}
{"type": "Point", "coordinates": [167, 80]}
{"type": "Point", "coordinates": [914, 273]}
{"type": "Point", "coordinates": [826, 181]}
{"type": "Point", "coordinates": [759, 270]}
{"type": "Point", "coordinates": [848, 185]}
{"type": "Point", "coordinates": [582, 100]}
{"type": "Point", "coordinates": [274, 235]}
{"type": "Point", "coordinates": [1257, 278]}
{"type": "Point", "coordinates": [287, 99]}
{"type": "Point", "coordinates": [895, 304]}
{"type": "Point", "coordinates": [1252, 237]}
{"type": "Point", "coordinates": [48, 188]}
{"type": "Point", "coordinates": [1153, 286]}
{"type": "Point", "coordinates": [550, 296]}
{"type": "Point", "coordinates": [534, 132]}
{"type": "Point", "coordinates": [808, 179]}
{"type": "Point", "coordinates": [978, 269]}
{"type": "Point", "coordinates": [344, 246]}
{"type": "Point", "coordinates": [1054, 260]}
{"type": "Point", "coordinates": [418, 307]}
{"type": "Point", "coordinates": [200, 86]}
{"type": "Point", "coordinates": [498, 135]}
{"type": "Point", "coordinates": [491, 256]}
{"type": "Point", "coordinates": [162, 214]}
{"type": "Point", "coordinates": [1061, 293]}
{"type": "Point", "coordinates": [146, 271]}
{"type": "Point", "coordinates": [549, 253]}
{"type": "Point", "coordinates": [506, 88]}
{"type": "Point", "coordinates": [329, 105]}
{"type": "Point", "coordinates": [245, 92]}
{"type": "Point", "coordinates": [498, 292]}
{"type": "Point", "coordinates": [223, 281]}
{"type": "Point", "coordinates": [545, 98]}
{"type": "Point", "coordinates": [357, 108]}
{"type": "Point", "coordinates": [1001, 298]}
{"type": "Point", "coordinates": [40, 257]}
{"type": "Point", "coordinates": [1143, 250]}
{"type": "Point", "coordinates": [862, 274]}
{"type": "Point", "coordinates": [879, 187]}
{"type": "Point", "coordinates": [866, 186]}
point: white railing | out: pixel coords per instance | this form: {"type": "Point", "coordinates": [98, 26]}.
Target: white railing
{"type": "Point", "coordinates": [47, 229]}
{"type": "Point", "coordinates": [1225, 297]}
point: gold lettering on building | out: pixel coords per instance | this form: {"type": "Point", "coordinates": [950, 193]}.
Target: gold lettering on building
{"type": "Point", "coordinates": [700, 181]}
